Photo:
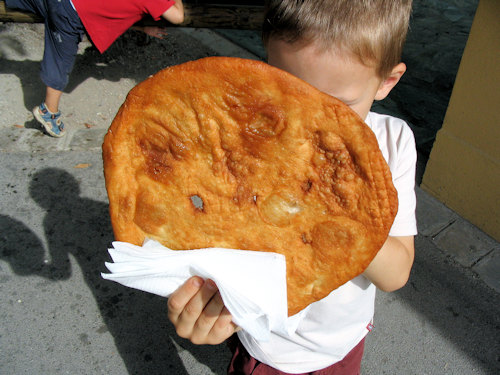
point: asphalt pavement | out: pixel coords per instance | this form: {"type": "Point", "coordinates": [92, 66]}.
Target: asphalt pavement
{"type": "Point", "coordinates": [58, 316]}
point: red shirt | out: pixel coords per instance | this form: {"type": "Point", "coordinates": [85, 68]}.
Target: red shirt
{"type": "Point", "coordinates": [106, 20]}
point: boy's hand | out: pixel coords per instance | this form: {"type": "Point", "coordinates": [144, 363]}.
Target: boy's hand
{"type": "Point", "coordinates": [154, 31]}
{"type": "Point", "coordinates": [198, 313]}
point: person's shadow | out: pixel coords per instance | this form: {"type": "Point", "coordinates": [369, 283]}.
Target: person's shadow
{"type": "Point", "coordinates": [80, 227]}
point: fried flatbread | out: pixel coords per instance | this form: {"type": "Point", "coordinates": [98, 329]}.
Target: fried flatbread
{"type": "Point", "coordinates": [234, 153]}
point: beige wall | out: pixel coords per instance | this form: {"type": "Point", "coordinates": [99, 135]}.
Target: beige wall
{"type": "Point", "coordinates": [464, 166]}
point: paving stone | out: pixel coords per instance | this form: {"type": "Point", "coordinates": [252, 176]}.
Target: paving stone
{"type": "Point", "coordinates": [31, 139]}
{"type": "Point", "coordinates": [10, 137]}
{"type": "Point", "coordinates": [222, 46]}
{"type": "Point", "coordinates": [87, 139]}
{"type": "Point", "coordinates": [488, 269]}
{"type": "Point", "coordinates": [465, 242]}
{"type": "Point", "coordinates": [248, 39]}
{"type": "Point", "coordinates": [432, 215]}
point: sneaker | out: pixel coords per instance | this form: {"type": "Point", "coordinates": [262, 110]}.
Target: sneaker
{"type": "Point", "coordinates": [51, 122]}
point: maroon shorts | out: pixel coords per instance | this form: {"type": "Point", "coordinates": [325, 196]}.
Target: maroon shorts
{"type": "Point", "coordinates": [244, 364]}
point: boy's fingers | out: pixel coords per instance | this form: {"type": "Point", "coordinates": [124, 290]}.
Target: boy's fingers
{"type": "Point", "coordinates": [203, 330]}
{"type": "Point", "coordinates": [185, 321]}
{"type": "Point", "coordinates": [198, 303]}
{"type": "Point", "coordinates": [198, 313]}
{"type": "Point", "coordinates": [223, 328]}
{"type": "Point", "coordinates": [181, 297]}
{"type": "Point", "coordinates": [215, 324]}
{"type": "Point", "coordinates": [211, 313]}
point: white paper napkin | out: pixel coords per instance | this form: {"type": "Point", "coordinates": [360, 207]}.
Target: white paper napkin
{"type": "Point", "coordinates": [252, 283]}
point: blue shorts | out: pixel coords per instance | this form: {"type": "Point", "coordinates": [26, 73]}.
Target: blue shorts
{"type": "Point", "coordinates": [63, 32]}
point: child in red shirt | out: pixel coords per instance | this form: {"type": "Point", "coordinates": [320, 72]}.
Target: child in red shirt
{"type": "Point", "coordinates": [65, 23]}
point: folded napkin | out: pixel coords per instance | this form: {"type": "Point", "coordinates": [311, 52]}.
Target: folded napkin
{"type": "Point", "coordinates": [252, 283]}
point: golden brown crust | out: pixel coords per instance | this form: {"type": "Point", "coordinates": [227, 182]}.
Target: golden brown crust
{"type": "Point", "coordinates": [278, 165]}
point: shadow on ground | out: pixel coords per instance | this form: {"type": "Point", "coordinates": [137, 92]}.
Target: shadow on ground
{"type": "Point", "coordinates": [457, 302]}
{"type": "Point", "coordinates": [76, 227]}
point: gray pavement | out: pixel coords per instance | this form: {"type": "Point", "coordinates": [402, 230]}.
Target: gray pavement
{"type": "Point", "coordinates": [58, 316]}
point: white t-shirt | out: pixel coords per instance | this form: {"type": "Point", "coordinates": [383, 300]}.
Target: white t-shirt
{"type": "Point", "coordinates": [333, 326]}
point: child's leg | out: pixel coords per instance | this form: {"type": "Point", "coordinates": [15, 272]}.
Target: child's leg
{"type": "Point", "coordinates": [63, 33]}
{"type": "Point", "coordinates": [52, 98]}
{"type": "Point", "coordinates": [62, 36]}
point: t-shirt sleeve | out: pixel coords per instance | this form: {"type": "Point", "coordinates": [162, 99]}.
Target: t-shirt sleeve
{"type": "Point", "coordinates": [156, 8]}
{"type": "Point", "coordinates": [403, 176]}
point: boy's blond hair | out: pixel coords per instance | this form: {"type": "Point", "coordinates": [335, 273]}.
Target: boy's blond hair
{"type": "Point", "coordinates": [374, 31]}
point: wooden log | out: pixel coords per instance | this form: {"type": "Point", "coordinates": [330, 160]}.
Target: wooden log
{"type": "Point", "coordinates": [224, 16]}
{"type": "Point", "coordinates": [207, 15]}
{"type": "Point", "coordinates": [11, 15]}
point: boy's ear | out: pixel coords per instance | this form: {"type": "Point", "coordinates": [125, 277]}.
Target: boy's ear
{"type": "Point", "coordinates": [388, 84]}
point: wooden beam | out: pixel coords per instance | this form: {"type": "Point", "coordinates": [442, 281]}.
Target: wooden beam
{"type": "Point", "coordinates": [247, 17]}
{"type": "Point", "coordinates": [224, 16]}
{"type": "Point", "coordinates": [10, 15]}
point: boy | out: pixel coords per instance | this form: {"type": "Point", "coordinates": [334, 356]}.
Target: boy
{"type": "Point", "coordinates": [65, 23]}
{"type": "Point", "coordinates": [349, 49]}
